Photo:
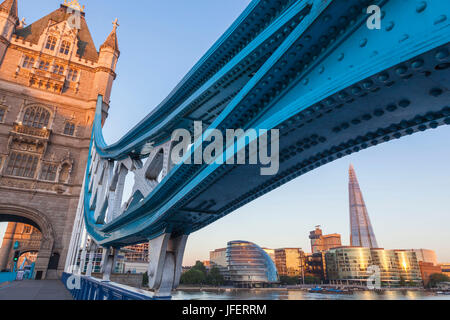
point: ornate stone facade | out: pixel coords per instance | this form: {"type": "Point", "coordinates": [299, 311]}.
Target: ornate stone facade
{"type": "Point", "coordinates": [50, 77]}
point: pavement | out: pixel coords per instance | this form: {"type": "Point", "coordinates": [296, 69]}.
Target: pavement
{"type": "Point", "coordinates": [35, 290]}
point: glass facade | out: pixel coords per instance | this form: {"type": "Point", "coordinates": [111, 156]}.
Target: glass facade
{"type": "Point", "coordinates": [350, 264]}
{"type": "Point", "coordinates": [289, 262]}
{"type": "Point", "coordinates": [362, 234]}
{"type": "Point", "coordinates": [387, 261]}
{"type": "Point", "coordinates": [248, 264]}
{"type": "Point", "coordinates": [409, 268]}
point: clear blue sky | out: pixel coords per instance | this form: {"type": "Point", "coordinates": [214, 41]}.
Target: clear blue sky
{"type": "Point", "coordinates": [406, 183]}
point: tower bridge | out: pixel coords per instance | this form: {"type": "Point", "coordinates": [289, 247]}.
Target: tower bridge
{"type": "Point", "coordinates": [313, 70]}
{"type": "Point", "coordinates": [316, 72]}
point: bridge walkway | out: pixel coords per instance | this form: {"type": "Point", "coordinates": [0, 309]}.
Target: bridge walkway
{"type": "Point", "coordinates": [34, 290]}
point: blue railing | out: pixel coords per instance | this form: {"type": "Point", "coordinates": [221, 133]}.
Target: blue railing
{"type": "Point", "coordinates": [7, 276]}
{"type": "Point", "coordinates": [88, 288]}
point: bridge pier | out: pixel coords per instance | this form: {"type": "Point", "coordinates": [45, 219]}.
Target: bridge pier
{"type": "Point", "coordinates": [166, 258]}
{"type": "Point", "coordinates": [110, 257]}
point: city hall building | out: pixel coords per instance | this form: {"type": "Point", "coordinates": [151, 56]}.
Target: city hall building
{"type": "Point", "coordinates": [51, 74]}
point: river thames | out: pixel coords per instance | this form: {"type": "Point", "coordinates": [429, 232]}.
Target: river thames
{"type": "Point", "coordinates": [303, 295]}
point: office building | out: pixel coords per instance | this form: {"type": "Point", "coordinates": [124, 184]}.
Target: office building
{"type": "Point", "coordinates": [218, 259]}
{"type": "Point", "coordinates": [353, 265]}
{"type": "Point", "coordinates": [321, 242]}
{"type": "Point", "coordinates": [387, 261]}
{"type": "Point", "coordinates": [361, 231]}
{"type": "Point", "coordinates": [315, 266]}
{"type": "Point", "coordinates": [249, 265]}
{"type": "Point", "coordinates": [137, 253]}
{"type": "Point", "coordinates": [290, 262]}
{"type": "Point", "coordinates": [348, 264]}
{"type": "Point", "coordinates": [445, 268]}
{"type": "Point", "coordinates": [427, 269]}
{"type": "Point", "coordinates": [409, 267]}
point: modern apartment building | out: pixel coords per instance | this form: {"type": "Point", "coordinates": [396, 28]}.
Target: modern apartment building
{"type": "Point", "coordinates": [355, 265]}
{"type": "Point", "coordinates": [426, 255]}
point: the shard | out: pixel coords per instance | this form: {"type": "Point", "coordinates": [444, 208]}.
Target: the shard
{"type": "Point", "coordinates": [362, 234]}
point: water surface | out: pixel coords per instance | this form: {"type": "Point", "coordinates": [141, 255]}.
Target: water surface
{"type": "Point", "coordinates": [302, 295]}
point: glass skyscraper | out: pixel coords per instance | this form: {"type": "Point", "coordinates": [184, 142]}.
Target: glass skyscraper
{"type": "Point", "coordinates": [362, 234]}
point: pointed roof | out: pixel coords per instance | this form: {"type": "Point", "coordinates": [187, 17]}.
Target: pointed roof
{"type": "Point", "coordinates": [352, 174]}
{"type": "Point", "coordinates": [111, 41]}
{"type": "Point", "coordinates": [86, 46]}
{"type": "Point", "coordinates": [361, 230]}
{"type": "Point", "coordinates": [10, 6]}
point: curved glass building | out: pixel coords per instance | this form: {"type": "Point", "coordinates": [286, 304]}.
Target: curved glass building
{"type": "Point", "coordinates": [249, 265]}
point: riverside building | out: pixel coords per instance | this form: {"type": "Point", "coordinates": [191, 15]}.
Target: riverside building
{"type": "Point", "coordinates": [249, 265]}
{"type": "Point", "coordinates": [352, 265]}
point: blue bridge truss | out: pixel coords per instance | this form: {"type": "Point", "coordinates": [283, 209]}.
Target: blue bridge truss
{"type": "Point", "coordinates": [323, 73]}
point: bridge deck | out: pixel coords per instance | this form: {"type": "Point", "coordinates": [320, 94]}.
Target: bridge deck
{"type": "Point", "coordinates": [35, 290]}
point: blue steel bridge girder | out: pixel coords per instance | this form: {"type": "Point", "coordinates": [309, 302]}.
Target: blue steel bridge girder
{"type": "Point", "coordinates": [330, 85]}
{"type": "Point", "coordinates": [215, 89]}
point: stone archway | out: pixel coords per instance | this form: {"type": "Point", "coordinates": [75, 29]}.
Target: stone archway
{"type": "Point", "coordinates": [13, 213]}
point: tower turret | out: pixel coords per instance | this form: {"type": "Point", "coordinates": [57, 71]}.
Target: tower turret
{"type": "Point", "coordinates": [107, 61]}
{"type": "Point", "coordinates": [8, 22]}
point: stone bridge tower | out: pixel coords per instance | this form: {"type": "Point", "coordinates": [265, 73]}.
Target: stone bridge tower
{"type": "Point", "coordinates": [50, 76]}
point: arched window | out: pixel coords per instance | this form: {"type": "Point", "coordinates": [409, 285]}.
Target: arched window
{"type": "Point", "coordinates": [36, 117]}
{"type": "Point", "coordinates": [51, 43]}
{"type": "Point", "coordinates": [58, 69]}
{"type": "Point", "coordinates": [22, 165]}
{"type": "Point", "coordinates": [28, 62]}
{"type": "Point", "coordinates": [69, 129]}
{"type": "Point", "coordinates": [65, 47]}
{"type": "Point", "coordinates": [48, 172]}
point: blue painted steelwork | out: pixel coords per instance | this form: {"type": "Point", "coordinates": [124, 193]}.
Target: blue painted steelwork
{"type": "Point", "coordinates": [94, 289]}
{"type": "Point", "coordinates": [316, 72]}
{"type": "Point", "coordinates": [7, 277]}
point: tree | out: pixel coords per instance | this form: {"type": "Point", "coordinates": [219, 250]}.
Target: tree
{"type": "Point", "coordinates": [286, 280]}
{"type": "Point", "coordinates": [437, 278]}
{"type": "Point", "coordinates": [193, 276]}
{"type": "Point", "coordinates": [145, 279]}
{"type": "Point", "coordinates": [200, 267]}
{"type": "Point", "coordinates": [312, 280]}
{"type": "Point", "coordinates": [197, 275]}
{"type": "Point", "coordinates": [402, 281]}
{"type": "Point", "coordinates": [214, 277]}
